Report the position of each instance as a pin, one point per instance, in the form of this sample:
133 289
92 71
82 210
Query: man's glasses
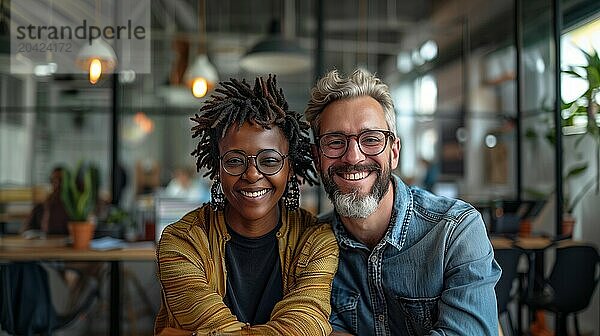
267 161
370 142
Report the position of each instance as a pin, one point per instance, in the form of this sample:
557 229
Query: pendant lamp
276 54
97 58
201 76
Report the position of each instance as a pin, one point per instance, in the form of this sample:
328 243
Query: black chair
25 302
508 259
570 286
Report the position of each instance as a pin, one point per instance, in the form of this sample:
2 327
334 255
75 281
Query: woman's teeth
254 193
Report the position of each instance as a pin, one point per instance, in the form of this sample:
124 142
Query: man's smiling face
356 182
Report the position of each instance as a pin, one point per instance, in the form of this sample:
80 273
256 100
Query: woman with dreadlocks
251 261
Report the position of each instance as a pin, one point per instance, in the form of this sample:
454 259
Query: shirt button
373 259
381 318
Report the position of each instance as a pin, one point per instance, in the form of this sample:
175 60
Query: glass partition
537 108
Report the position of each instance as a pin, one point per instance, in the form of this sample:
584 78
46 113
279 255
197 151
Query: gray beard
353 204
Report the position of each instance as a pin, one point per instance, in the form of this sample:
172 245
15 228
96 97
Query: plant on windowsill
79 194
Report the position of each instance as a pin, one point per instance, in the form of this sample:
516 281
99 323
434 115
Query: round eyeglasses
370 142
267 162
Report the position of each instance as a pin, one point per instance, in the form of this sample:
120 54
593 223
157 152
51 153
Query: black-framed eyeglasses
370 142
267 161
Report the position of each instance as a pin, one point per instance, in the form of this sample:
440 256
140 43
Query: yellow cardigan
192 273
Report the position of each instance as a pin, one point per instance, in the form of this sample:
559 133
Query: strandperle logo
55 39
83 32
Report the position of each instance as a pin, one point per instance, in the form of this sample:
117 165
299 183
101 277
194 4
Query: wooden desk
524 243
533 243
502 243
15 248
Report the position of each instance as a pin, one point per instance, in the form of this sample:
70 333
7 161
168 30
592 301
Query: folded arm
189 300
305 309
194 305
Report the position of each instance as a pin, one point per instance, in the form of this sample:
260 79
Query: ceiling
362 33
367 33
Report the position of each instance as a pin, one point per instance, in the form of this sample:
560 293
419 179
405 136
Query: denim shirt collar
399 221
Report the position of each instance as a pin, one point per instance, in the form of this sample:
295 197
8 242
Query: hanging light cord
202 26
361 46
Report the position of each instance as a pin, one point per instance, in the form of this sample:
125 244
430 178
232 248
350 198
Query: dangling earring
217 198
291 198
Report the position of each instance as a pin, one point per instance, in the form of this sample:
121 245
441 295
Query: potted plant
79 194
586 106
119 224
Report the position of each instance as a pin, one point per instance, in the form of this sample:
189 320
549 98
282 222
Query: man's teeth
254 193
355 176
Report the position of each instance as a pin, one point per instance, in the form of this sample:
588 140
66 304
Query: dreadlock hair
236 102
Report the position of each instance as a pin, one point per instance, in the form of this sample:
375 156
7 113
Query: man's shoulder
439 207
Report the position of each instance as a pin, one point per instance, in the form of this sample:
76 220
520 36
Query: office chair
570 285
26 307
508 259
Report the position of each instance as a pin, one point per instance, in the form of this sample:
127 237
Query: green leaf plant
587 105
79 191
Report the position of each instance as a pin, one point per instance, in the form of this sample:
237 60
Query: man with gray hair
411 263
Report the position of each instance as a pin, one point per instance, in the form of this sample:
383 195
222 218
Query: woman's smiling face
253 196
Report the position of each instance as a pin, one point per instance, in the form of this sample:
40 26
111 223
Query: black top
254 283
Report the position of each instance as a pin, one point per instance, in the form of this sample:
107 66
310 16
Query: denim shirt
433 273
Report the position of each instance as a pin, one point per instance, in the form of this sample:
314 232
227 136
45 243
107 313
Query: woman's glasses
370 142
267 162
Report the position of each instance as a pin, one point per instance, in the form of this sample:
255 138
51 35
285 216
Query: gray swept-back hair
334 87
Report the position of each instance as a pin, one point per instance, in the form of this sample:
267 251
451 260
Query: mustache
354 168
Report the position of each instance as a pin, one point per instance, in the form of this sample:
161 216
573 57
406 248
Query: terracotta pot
568 223
81 234
525 228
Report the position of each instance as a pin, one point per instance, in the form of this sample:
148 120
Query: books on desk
109 243
106 244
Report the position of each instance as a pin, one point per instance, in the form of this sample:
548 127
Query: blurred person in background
50 216
184 185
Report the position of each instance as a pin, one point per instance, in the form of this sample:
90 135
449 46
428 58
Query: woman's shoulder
195 220
312 228
315 241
